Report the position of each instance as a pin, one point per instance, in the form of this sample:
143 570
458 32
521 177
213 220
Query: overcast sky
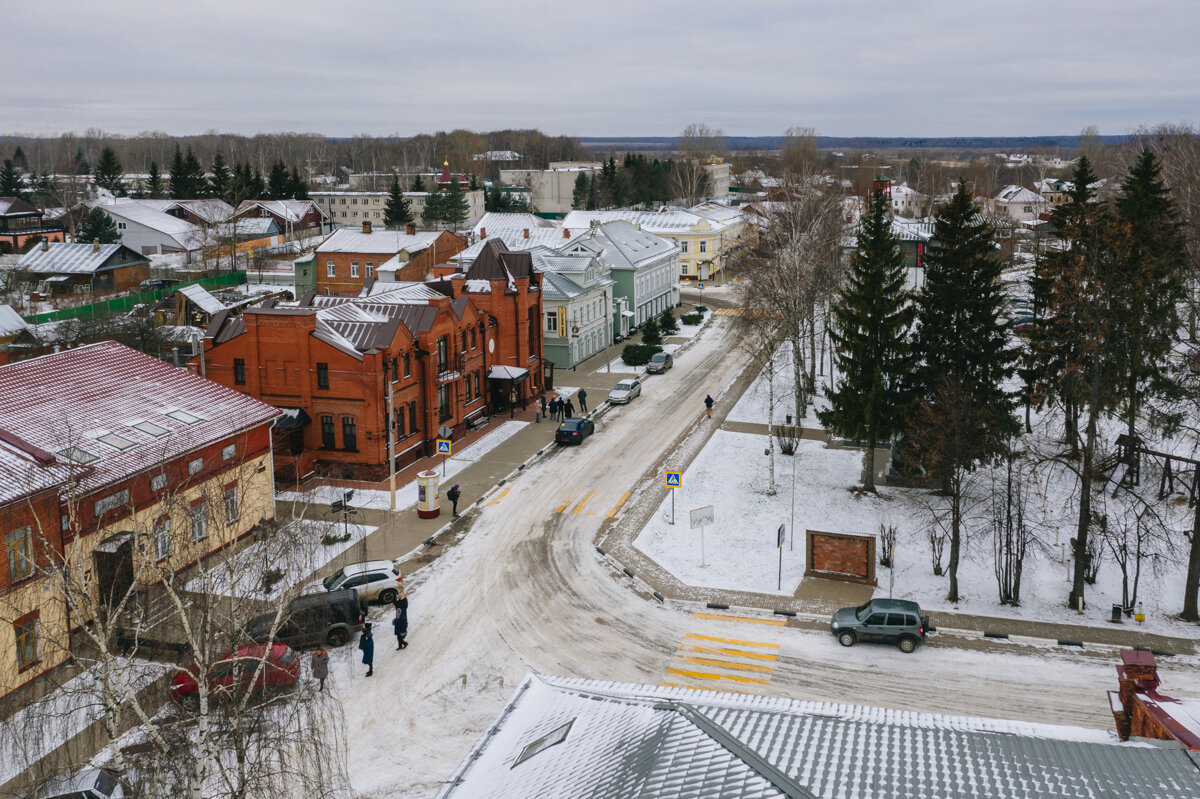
614 68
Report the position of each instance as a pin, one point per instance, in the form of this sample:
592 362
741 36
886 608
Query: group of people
559 409
366 640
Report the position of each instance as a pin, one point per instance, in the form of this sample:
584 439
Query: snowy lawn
753 405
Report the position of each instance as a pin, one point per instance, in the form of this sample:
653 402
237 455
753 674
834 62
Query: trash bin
428 496
1116 614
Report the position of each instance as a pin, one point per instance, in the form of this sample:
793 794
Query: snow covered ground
752 407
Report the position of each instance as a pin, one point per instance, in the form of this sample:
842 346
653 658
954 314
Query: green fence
120 305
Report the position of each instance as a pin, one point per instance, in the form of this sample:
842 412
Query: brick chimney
526 232
411 228
566 233
482 233
95 245
366 226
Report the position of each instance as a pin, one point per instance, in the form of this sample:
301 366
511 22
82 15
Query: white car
624 391
374 580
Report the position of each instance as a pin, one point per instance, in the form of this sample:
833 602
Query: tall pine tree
154 182
434 212
297 187
455 209
187 176
418 184
962 415
99 226
221 180
109 173
579 195
11 183
872 318
398 211
278 181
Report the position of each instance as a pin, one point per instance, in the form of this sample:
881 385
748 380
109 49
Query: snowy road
525 591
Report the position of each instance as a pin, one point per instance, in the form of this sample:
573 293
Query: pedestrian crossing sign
674 479
701 285
443 446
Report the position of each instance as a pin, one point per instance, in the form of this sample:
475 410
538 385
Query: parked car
884 621
375 580
235 671
86 783
660 362
331 618
624 391
573 431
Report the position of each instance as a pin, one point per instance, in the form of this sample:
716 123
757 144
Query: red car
282 670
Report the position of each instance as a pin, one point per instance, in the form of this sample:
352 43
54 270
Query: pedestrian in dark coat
544 406
453 494
582 401
320 666
570 409
708 403
400 623
366 642
558 409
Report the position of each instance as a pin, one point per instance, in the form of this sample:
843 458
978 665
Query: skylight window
78 455
117 442
152 429
185 417
545 742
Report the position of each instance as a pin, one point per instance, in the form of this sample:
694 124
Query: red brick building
448 352
20 222
1141 711
352 259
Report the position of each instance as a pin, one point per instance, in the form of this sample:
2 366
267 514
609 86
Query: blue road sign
674 479
782 535
701 285
443 446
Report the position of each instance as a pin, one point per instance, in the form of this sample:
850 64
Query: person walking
320 666
453 494
544 405
558 409
366 643
400 623
570 410
708 403
582 401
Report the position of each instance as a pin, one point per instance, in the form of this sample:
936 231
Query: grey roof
201 298
61 258
12 206
642 742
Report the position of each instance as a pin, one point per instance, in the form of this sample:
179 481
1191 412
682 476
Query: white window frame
158 482
162 540
195 466
233 510
229 452
198 521
354 269
330 268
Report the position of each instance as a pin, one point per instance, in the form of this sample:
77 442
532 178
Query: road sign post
673 480
701 517
779 546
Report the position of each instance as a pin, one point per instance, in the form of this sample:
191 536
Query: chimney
95 245
411 228
526 232
366 226
45 245
482 233
566 233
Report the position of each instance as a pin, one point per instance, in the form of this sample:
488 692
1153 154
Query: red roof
78 397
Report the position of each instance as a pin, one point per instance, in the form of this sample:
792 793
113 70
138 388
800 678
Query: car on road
624 391
375 580
660 362
237 669
882 621
573 431
331 618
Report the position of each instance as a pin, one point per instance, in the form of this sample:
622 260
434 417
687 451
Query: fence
120 305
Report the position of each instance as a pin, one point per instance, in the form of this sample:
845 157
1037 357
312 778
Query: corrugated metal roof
645 742
377 242
202 299
62 258
11 321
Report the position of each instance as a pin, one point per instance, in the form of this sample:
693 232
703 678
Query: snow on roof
514 239
495 221
664 223
11 321
201 298
289 210
69 258
1018 194
579 737
377 242
188 235
13 206
75 397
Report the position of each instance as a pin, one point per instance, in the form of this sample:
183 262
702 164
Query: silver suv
375 580
884 621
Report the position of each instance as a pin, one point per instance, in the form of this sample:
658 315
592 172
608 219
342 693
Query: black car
574 431
332 618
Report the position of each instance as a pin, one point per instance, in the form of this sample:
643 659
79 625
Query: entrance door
113 561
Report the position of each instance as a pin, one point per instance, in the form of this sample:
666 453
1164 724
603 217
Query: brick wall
841 556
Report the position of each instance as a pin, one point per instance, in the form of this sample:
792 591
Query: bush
638 354
691 319
329 539
271 578
667 322
650 332
701 309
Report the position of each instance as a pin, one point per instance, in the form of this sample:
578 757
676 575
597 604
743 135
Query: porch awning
628 313
59 279
513 373
292 419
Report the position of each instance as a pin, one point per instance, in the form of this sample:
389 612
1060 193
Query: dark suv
332 618
884 621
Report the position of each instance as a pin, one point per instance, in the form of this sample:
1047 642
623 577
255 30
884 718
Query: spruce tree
108 173
20 160
962 416
221 181
154 182
872 318
593 196
297 187
667 321
473 182
11 183
398 211
456 209
278 181
99 226
418 184
197 184
187 176
579 196
651 334
434 213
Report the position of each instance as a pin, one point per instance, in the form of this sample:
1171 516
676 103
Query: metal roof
643 742
60 258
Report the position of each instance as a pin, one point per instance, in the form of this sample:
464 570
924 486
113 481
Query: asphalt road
525 591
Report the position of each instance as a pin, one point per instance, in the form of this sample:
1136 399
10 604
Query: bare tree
1012 533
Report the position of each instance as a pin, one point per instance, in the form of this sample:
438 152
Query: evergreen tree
176 176
19 159
473 182
579 196
490 196
278 181
197 183
398 211
593 195
154 183
99 226
221 181
435 209
650 332
11 182
456 209
963 416
872 318
109 172
418 184
297 187
187 176
667 322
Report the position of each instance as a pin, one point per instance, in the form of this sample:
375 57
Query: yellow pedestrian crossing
711 662
575 511
728 312
620 502
500 496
